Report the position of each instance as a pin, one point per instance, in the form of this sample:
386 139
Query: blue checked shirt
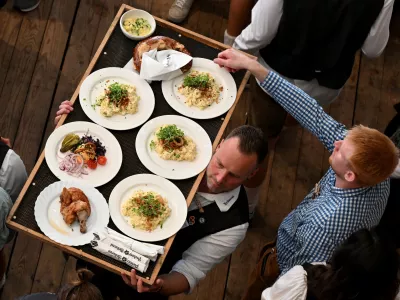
312 231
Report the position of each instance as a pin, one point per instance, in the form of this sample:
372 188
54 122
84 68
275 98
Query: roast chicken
75 205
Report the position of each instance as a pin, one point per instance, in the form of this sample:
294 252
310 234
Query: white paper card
163 65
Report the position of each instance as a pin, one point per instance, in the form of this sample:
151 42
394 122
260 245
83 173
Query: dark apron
201 225
3 152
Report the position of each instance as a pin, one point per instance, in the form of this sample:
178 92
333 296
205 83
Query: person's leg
239 18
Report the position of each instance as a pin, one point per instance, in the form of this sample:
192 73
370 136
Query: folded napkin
163 65
149 250
120 252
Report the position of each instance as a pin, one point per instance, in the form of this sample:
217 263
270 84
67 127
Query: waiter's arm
207 252
196 261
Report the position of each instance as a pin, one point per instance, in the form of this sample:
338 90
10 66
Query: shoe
26 5
179 10
228 39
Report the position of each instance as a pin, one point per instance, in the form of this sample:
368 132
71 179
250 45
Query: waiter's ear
253 173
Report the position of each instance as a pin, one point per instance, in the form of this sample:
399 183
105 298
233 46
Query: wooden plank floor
43 55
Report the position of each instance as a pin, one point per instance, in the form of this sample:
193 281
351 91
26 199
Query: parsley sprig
169 133
198 81
116 92
149 206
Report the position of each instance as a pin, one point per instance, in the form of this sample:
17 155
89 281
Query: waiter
207 237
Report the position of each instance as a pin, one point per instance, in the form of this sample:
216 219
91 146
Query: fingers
66 105
130 279
56 120
67 102
223 64
133 277
125 278
224 53
219 61
63 110
141 288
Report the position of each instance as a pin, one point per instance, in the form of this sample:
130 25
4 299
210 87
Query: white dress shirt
290 286
265 19
12 174
209 251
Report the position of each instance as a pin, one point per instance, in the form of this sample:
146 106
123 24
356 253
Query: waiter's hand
233 60
6 141
64 108
139 285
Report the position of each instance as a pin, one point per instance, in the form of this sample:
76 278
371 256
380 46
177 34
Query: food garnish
117 93
137 26
146 210
196 81
69 142
171 136
85 153
101 160
149 206
200 89
171 143
118 99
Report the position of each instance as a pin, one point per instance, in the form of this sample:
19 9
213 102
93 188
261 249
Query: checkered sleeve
304 109
314 245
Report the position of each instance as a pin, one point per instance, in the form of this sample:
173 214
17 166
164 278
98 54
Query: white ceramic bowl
133 14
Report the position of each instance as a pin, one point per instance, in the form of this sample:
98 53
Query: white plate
168 168
222 77
94 86
147 182
102 174
50 220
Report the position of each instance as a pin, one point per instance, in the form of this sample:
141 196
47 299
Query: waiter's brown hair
252 141
80 289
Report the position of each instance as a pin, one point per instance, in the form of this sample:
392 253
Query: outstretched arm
301 106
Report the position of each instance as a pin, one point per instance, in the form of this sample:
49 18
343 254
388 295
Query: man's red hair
375 156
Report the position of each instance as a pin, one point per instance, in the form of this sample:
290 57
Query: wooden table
115 51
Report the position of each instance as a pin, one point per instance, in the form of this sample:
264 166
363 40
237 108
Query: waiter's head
236 159
365 157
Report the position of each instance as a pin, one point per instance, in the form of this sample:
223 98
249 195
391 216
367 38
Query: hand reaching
139 285
64 108
233 60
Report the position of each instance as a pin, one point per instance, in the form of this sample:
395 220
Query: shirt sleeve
13 174
291 286
204 254
265 19
378 36
314 244
304 109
